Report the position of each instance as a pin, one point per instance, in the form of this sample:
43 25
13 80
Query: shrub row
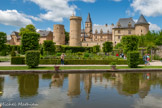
56 61
17 60
64 48
32 58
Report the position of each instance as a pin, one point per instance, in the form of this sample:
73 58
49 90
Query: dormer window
119 25
101 31
96 31
129 24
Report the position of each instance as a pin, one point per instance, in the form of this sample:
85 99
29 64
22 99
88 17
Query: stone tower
142 26
75 31
59 34
88 26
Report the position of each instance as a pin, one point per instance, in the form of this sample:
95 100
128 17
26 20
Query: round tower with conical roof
142 26
75 31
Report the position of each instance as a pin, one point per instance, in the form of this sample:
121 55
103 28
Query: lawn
75 67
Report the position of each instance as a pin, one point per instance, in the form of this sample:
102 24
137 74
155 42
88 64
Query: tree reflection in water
1 85
28 85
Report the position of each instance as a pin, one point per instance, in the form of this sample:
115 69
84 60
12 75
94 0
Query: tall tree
3 40
28 28
66 37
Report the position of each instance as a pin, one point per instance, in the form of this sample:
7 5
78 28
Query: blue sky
15 14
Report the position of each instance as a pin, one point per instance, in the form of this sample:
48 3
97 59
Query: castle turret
59 34
88 26
142 26
75 31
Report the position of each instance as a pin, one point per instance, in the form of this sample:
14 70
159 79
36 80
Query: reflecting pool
106 90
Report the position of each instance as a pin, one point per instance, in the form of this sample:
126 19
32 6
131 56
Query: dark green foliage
86 54
107 47
159 40
58 54
17 60
96 49
119 46
66 37
29 41
32 58
133 59
49 47
130 43
58 48
76 49
13 53
3 40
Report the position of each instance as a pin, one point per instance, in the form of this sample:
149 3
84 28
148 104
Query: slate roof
142 20
89 18
105 28
124 22
43 33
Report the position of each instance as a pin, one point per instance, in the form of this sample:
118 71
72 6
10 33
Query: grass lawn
74 67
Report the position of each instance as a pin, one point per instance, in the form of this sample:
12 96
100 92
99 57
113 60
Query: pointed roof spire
88 18
142 20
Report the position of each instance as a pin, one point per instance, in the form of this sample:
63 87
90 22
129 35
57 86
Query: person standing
148 59
62 58
145 59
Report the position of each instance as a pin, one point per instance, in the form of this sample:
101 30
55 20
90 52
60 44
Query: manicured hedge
133 59
17 60
76 49
81 62
32 58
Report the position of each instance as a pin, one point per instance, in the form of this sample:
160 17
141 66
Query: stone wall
159 52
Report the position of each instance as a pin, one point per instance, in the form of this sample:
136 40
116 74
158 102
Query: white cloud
154 27
148 7
91 1
56 10
14 18
49 29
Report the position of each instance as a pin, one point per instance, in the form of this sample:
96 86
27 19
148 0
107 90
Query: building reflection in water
57 80
87 78
1 85
74 85
28 85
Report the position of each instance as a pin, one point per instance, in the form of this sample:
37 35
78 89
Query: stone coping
77 71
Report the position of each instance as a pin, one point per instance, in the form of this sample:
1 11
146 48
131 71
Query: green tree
107 47
66 37
28 28
29 41
3 40
119 46
130 43
49 47
96 48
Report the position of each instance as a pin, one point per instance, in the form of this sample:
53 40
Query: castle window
118 31
118 37
141 31
129 31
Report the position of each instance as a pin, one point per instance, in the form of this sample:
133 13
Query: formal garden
30 52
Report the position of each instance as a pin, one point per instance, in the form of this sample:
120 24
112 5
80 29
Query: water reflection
28 85
81 90
1 85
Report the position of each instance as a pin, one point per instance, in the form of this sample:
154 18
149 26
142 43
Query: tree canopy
28 28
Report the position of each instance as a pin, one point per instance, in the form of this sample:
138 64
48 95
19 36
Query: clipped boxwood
32 58
133 59
17 60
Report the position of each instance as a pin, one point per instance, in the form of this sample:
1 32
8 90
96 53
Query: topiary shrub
13 52
107 47
29 41
133 59
17 60
32 58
